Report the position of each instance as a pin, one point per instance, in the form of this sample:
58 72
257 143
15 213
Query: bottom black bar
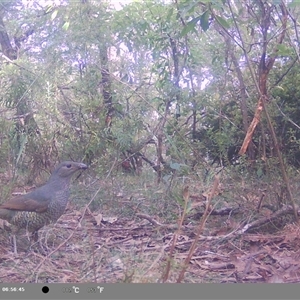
111 291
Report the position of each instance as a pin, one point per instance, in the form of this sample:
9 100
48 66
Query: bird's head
66 169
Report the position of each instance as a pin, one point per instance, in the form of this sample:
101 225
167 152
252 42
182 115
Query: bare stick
200 229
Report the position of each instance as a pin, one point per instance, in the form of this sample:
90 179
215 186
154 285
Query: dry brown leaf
110 220
98 218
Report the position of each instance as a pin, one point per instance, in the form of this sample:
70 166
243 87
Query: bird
42 206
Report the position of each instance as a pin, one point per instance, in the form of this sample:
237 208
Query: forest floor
123 232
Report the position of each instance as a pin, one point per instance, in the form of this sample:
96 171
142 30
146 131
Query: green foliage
222 22
161 57
287 116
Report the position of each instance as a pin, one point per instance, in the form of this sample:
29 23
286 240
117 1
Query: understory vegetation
187 114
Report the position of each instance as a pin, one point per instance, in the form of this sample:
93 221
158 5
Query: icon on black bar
45 289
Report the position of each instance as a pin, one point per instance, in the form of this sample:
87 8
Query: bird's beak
82 166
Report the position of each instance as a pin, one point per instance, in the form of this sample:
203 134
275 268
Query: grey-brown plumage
45 204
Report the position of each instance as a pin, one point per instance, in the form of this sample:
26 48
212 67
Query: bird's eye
69 166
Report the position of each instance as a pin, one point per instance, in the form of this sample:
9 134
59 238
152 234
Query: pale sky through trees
117 3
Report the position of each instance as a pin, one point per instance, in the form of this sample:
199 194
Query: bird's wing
26 204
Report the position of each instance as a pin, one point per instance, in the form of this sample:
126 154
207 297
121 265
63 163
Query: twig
152 221
159 256
260 202
200 229
186 196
